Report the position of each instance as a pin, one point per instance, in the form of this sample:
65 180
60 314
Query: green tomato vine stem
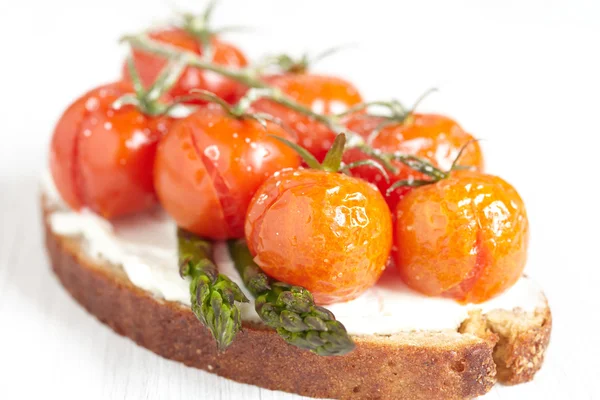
147 100
143 42
259 89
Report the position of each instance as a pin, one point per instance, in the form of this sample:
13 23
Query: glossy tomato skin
149 66
210 164
433 137
102 158
327 232
464 237
323 94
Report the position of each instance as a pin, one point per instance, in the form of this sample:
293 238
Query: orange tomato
102 158
210 164
325 231
149 65
435 138
463 237
323 94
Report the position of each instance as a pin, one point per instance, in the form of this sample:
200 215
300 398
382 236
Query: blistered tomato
325 231
435 138
463 237
102 158
323 94
210 164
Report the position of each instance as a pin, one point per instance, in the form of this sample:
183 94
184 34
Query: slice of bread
503 345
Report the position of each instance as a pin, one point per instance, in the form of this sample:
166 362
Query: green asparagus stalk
290 310
213 295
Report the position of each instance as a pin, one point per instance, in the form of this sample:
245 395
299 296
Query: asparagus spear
289 309
213 295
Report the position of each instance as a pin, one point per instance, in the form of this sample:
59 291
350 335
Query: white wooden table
523 76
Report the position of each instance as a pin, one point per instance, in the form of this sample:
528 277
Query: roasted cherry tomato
463 237
435 138
325 231
149 65
323 94
210 164
102 158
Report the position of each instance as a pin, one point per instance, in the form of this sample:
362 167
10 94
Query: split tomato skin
327 232
464 237
323 94
210 164
149 65
433 137
102 158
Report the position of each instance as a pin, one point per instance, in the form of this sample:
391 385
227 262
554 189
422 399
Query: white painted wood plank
517 74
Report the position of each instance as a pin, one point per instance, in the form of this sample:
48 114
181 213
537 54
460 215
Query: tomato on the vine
224 54
463 237
325 231
432 137
210 164
322 94
320 229
102 158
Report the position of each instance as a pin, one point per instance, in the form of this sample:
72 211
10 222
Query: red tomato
325 231
435 138
102 158
463 237
149 65
210 164
323 94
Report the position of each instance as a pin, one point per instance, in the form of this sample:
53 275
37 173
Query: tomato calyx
148 100
199 27
240 110
333 159
285 63
395 113
425 167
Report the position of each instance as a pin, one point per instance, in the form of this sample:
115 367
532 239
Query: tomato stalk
148 100
259 89
238 111
333 158
198 26
249 77
396 109
330 121
420 99
396 113
426 168
143 42
285 63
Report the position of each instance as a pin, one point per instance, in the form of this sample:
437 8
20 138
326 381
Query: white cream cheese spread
145 246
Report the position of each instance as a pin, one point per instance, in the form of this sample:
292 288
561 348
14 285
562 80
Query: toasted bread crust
435 365
519 353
